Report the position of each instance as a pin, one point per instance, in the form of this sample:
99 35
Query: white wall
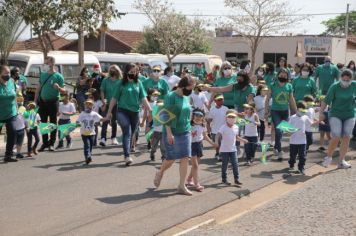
338 52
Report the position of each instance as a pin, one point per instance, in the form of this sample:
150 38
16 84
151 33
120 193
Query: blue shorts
197 149
181 147
341 128
325 127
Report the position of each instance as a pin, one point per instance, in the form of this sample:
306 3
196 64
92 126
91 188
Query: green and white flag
287 127
66 129
46 128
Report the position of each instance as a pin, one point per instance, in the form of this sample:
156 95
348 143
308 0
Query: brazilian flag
66 129
46 128
287 127
162 115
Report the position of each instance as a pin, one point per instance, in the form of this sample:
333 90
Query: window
236 57
315 60
20 64
273 57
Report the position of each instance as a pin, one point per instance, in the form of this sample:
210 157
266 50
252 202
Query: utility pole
346 29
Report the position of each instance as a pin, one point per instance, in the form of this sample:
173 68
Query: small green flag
46 128
264 149
242 122
149 134
66 129
161 115
30 116
287 127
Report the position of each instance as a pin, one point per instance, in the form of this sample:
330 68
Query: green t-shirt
228 96
280 96
240 96
200 73
23 79
327 76
48 92
303 86
8 100
108 87
161 85
181 107
342 101
269 79
129 96
141 78
278 69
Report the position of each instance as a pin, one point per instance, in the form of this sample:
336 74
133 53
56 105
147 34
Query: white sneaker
276 152
128 161
114 141
102 142
327 161
344 165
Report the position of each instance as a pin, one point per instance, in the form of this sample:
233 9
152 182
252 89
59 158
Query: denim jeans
261 130
10 136
88 145
226 157
156 139
250 147
354 131
68 138
300 151
309 136
128 122
32 133
277 117
80 97
341 128
49 110
113 124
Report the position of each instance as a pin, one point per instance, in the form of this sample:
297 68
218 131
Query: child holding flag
33 119
66 110
309 99
20 126
156 137
87 120
251 133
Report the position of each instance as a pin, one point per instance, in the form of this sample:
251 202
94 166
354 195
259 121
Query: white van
31 62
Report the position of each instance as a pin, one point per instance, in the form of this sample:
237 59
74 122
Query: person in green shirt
304 84
47 96
270 75
226 78
20 80
107 90
281 93
8 110
341 98
326 75
127 97
352 66
282 64
155 81
200 72
176 133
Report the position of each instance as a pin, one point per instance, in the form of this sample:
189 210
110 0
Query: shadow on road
78 165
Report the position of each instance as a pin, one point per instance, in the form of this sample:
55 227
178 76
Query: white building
296 49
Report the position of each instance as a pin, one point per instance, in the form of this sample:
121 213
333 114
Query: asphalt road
55 194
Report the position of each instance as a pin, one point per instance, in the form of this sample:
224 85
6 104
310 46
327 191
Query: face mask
131 76
227 73
5 77
154 99
260 73
327 63
305 74
230 121
112 73
345 83
45 68
187 92
88 110
155 74
283 80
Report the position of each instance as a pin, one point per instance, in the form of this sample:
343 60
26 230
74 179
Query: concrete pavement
55 194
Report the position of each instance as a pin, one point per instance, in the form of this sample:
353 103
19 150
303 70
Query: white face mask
227 72
156 74
260 73
230 121
45 68
345 83
305 74
154 98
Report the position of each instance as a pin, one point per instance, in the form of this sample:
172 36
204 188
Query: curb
237 208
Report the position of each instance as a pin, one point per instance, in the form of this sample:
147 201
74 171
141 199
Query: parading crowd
228 107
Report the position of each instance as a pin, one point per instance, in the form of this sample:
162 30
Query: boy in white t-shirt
198 99
311 114
87 120
228 152
66 110
217 118
20 126
298 141
33 120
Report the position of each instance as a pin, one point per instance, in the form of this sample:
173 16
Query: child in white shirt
198 99
20 125
199 133
228 152
66 110
251 134
260 101
33 120
97 106
217 118
298 141
87 120
311 114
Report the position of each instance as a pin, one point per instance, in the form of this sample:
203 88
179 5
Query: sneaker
114 141
344 165
248 163
302 171
51 148
226 182
102 142
9 159
291 167
88 160
69 145
217 157
42 148
19 156
327 161
280 156
237 182
153 158
128 161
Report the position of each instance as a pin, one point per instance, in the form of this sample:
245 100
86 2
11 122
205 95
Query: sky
137 22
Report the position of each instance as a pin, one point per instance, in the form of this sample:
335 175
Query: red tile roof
130 38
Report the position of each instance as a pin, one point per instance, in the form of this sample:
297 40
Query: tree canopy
336 25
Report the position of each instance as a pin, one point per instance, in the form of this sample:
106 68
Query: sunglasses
156 71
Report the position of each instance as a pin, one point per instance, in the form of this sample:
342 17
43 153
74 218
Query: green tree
86 16
44 16
11 27
336 26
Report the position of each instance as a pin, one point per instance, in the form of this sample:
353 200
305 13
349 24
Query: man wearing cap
326 75
155 81
200 72
47 96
